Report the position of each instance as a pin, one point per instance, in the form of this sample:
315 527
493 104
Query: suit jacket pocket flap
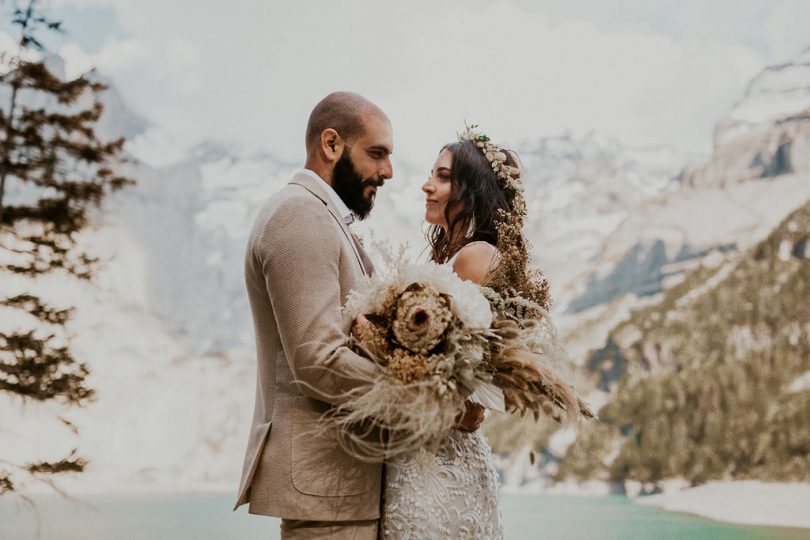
321 467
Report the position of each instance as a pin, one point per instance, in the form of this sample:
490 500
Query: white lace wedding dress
452 494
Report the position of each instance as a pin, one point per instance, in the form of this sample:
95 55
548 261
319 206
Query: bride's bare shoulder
475 260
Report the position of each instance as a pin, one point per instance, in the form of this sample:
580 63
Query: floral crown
508 176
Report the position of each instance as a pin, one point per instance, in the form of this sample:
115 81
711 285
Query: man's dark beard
349 186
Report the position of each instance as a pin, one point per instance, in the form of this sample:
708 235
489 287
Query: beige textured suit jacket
300 264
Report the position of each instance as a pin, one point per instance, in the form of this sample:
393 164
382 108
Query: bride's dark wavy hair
475 189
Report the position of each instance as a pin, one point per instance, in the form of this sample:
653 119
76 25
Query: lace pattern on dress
451 494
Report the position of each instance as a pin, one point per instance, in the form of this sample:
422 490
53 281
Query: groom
301 262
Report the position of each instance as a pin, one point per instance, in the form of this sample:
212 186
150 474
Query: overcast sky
247 73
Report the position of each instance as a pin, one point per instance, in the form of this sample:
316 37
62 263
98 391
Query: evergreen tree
53 170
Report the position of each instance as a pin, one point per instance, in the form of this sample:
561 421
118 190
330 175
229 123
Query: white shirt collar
344 211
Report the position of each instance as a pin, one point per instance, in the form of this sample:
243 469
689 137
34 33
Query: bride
453 493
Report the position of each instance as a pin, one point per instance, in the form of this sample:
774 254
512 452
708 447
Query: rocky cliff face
767 133
758 173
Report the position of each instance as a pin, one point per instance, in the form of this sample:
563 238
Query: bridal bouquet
441 342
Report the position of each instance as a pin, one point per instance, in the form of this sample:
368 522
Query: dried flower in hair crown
508 176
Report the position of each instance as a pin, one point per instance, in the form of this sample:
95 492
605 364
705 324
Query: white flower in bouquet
467 303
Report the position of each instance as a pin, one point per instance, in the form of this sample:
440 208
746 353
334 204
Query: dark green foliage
707 393
68 464
6 484
511 433
585 458
50 153
31 368
32 305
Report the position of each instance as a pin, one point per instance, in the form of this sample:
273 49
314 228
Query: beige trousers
296 529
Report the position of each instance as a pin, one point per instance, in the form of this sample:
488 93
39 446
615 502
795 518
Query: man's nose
388 170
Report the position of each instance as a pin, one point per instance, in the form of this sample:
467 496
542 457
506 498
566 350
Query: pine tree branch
35 307
32 369
72 463
42 471
6 485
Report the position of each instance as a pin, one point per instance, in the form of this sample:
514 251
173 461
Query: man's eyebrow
381 148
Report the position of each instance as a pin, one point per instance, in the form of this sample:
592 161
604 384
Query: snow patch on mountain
778 92
162 416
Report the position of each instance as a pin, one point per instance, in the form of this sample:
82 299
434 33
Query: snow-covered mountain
766 133
757 174
579 192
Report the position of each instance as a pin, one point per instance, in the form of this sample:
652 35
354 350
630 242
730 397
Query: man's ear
332 145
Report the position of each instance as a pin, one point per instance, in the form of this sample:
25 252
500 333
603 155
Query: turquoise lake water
208 516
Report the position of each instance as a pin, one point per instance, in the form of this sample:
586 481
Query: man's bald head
345 112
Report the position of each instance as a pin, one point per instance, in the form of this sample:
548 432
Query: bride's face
437 189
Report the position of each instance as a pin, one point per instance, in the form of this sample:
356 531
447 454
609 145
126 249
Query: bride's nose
427 187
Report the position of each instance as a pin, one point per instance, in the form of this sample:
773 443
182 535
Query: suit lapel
312 185
367 264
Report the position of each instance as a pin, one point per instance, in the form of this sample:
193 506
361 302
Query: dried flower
422 316
408 367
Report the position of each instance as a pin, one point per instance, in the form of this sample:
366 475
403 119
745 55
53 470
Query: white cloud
76 60
249 72
787 28
155 148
